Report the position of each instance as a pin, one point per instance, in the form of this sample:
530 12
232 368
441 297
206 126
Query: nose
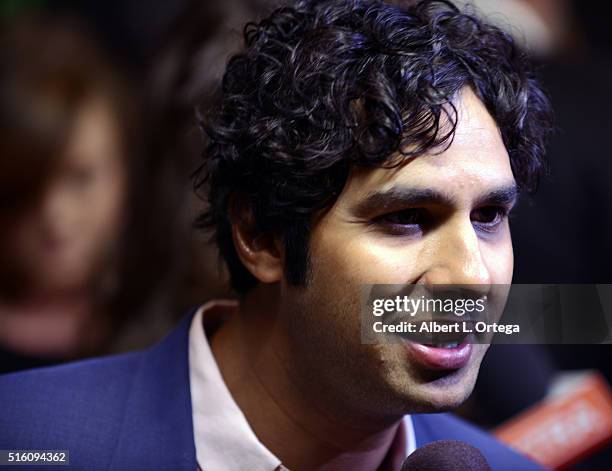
456 257
54 208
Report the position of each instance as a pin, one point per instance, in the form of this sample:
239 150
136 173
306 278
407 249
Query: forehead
476 161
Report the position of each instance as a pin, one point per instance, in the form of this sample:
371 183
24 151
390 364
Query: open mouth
439 358
438 345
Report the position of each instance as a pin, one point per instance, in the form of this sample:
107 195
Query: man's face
437 219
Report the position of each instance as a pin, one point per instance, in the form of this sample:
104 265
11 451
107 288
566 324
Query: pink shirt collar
223 438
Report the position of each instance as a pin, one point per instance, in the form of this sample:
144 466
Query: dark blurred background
98 141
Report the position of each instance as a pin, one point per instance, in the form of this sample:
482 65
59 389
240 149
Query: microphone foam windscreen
446 455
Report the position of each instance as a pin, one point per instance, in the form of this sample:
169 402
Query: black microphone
446 455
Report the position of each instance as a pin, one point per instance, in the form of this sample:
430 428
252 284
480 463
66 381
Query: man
355 143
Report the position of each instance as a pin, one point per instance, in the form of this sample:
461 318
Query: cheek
499 259
105 204
108 211
359 259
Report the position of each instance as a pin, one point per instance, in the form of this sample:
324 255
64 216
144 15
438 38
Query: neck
296 426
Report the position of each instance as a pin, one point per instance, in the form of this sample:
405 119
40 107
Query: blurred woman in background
66 137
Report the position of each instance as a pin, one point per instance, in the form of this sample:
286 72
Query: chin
431 392
445 392
433 400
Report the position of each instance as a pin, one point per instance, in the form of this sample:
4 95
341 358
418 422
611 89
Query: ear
260 253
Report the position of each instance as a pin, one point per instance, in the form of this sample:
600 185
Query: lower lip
434 358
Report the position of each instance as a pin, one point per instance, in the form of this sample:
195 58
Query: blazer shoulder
432 427
77 405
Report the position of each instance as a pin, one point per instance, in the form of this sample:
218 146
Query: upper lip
434 337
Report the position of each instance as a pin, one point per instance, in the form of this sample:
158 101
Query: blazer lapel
423 431
157 431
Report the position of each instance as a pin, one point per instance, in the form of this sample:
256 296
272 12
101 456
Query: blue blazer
132 412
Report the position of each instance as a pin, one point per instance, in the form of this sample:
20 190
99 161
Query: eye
80 177
405 222
488 218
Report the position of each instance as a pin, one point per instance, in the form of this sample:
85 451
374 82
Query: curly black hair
325 85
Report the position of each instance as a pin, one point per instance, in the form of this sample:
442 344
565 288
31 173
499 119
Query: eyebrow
397 197
505 196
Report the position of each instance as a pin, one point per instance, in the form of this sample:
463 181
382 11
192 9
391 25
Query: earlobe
258 252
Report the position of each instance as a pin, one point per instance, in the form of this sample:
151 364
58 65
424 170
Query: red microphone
565 427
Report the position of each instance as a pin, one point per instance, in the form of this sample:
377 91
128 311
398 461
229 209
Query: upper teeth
447 345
